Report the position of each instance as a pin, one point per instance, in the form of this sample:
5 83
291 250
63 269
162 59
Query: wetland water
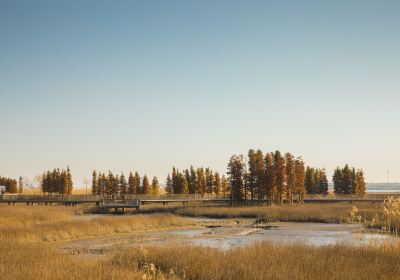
226 234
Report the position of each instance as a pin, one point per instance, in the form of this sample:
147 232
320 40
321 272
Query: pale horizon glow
138 85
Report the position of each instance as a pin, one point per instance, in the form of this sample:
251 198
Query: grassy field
28 236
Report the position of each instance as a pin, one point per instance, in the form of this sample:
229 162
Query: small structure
3 189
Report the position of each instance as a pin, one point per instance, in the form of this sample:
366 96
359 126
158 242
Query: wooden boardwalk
120 204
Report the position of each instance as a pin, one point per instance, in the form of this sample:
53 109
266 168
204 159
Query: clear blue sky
145 85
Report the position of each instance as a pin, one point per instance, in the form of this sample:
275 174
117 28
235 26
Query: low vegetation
264 261
57 223
325 213
28 236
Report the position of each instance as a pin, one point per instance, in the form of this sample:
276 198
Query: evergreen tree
131 184
146 188
155 189
310 180
104 184
209 181
123 185
271 188
290 177
217 183
201 181
20 185
361 182
69 181
185 185
236 172
192 180
137 183
252 173
338 181
300 175
280 174
323 182
224 185
95 183
168 185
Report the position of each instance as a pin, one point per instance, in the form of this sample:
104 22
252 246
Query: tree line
270 177
56 181
275 177
110 184
196 181
348 180
10 184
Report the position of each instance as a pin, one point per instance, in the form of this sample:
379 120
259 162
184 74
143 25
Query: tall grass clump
389 218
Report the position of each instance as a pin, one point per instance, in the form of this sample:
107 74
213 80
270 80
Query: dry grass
27 251
325 213
57 223
266 261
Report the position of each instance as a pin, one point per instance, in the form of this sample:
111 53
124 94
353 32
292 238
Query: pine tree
95 183
323 182
192 180
104 184
236 172
185 185
64 183
209 181
271 189
146 188
338 181
280 174
201 181
224 185
69 181
361 182
310 180
252 173
155 189
123 185
131 184
300 175
20 185
290 177
168 185
217 183
137 183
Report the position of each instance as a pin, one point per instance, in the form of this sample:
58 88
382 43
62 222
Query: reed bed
325 213
27 252
58 223
265 261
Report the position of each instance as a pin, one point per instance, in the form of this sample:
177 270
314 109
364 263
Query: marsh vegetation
31 239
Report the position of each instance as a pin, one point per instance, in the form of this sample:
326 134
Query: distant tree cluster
110 184
348 180
272 176
57 181
196 181
316 181
9 183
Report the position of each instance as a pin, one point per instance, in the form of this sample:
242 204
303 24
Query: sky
147 85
